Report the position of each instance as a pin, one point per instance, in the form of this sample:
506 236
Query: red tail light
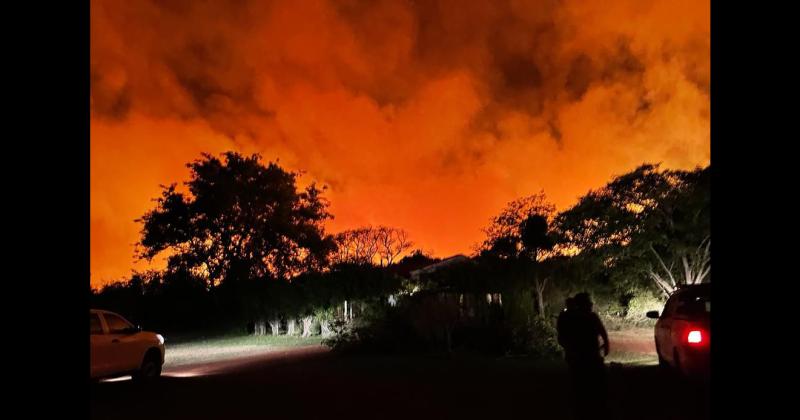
696 337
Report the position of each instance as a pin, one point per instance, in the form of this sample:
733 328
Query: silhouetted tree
678 235
504 234
357 246
535 237
239 220
370 245
646 224
392 242
517 240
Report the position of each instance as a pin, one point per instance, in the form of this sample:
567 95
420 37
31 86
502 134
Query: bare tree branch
668 270
663 285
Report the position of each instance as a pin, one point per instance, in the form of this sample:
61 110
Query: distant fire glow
428 115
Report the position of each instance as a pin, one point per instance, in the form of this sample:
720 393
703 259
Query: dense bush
381 329
542 340
619 229
641 303
431 322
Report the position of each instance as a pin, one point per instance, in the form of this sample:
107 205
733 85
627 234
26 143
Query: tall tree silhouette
240 220
365 245
536 239
647 224
504 233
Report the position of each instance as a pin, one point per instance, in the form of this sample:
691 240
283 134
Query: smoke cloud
426 115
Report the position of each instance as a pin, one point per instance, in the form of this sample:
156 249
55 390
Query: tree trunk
260 327
345 311
325 328
275 324
290 327
540 304
307 322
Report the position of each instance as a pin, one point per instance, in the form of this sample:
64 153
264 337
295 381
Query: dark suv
683 331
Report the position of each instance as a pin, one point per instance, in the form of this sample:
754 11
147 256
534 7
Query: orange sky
426 115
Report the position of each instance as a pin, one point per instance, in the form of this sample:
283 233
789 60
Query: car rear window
693 304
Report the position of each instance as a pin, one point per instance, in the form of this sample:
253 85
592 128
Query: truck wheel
150 368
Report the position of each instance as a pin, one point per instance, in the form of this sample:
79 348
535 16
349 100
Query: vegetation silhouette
247 251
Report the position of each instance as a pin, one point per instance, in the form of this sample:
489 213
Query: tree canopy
516 222
643 223
240 219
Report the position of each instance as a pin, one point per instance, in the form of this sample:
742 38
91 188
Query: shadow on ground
322 385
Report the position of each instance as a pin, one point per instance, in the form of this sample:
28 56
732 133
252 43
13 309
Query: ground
187 351
632 346
309 382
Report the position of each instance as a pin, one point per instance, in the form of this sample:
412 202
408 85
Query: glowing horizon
429 117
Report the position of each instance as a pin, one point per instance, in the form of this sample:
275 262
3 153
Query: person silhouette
579 329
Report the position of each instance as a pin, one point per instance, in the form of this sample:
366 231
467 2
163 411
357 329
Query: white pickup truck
119 348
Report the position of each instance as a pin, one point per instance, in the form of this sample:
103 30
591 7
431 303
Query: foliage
244 245
537 338
640 225
642 303
239 220
504 234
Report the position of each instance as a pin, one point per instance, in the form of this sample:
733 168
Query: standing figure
579 334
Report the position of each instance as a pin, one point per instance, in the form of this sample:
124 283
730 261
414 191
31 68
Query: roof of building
449 261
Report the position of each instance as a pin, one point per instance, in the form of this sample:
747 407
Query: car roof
695 289
695 286
101 311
